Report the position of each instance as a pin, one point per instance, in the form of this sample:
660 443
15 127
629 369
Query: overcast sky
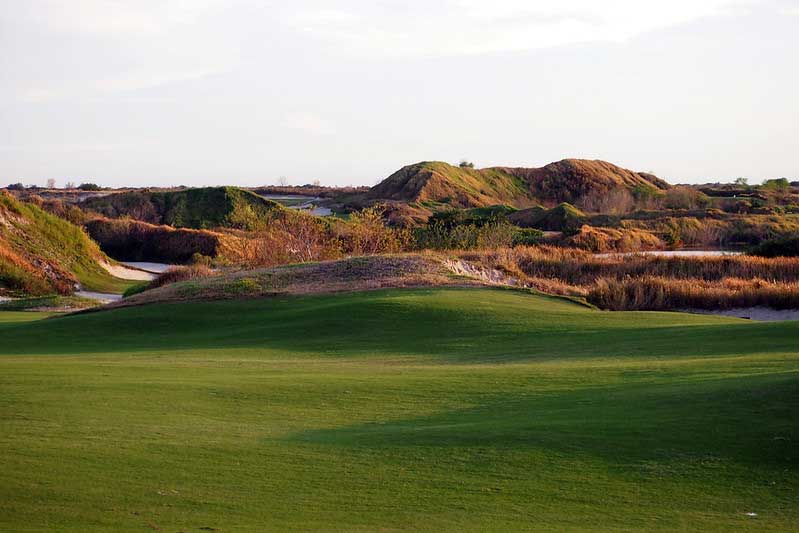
147 92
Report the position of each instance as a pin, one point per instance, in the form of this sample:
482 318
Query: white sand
155 268
123 272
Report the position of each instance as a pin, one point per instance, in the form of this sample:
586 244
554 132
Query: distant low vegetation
202 208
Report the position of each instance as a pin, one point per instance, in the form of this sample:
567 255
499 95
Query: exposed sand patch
123 272
147 266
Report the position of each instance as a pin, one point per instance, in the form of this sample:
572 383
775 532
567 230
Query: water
674 253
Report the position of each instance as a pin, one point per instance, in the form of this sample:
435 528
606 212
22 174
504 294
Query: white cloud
150 43
456 27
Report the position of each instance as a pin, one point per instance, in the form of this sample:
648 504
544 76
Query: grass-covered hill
41 253
418 409
438 182
574 180
570 180
201 208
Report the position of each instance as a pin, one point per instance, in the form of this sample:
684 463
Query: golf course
433 409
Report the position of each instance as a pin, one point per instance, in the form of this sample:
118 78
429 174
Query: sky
204 92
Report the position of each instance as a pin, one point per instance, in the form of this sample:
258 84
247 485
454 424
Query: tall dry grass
183 273
581 268
661 294
651 282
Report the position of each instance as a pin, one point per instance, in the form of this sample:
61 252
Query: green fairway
424 409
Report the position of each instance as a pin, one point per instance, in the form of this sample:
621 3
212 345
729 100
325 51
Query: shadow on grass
750 421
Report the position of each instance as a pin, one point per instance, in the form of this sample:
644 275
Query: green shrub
779 247
135 289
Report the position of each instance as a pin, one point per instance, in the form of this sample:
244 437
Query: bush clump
182 273
779 247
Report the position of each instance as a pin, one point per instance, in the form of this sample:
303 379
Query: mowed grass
434 409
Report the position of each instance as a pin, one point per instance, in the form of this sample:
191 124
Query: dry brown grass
661 294
614 240
578 267
183 273
651 282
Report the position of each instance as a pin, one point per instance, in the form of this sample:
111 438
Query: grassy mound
202 208
437 182
44 254
453 409
576 181
563 217
346 275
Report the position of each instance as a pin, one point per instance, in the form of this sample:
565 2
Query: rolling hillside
42 254
201 208
397 410
570 180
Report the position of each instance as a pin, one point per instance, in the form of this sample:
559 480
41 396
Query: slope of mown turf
426 409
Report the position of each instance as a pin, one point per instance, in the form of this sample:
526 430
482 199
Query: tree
69 185
466 164
16 187
283 181
743 182
777 189
89 187
51 183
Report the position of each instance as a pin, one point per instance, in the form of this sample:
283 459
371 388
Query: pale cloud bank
205 91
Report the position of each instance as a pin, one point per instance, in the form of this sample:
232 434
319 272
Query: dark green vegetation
438 409
201 208
42 254
787 246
